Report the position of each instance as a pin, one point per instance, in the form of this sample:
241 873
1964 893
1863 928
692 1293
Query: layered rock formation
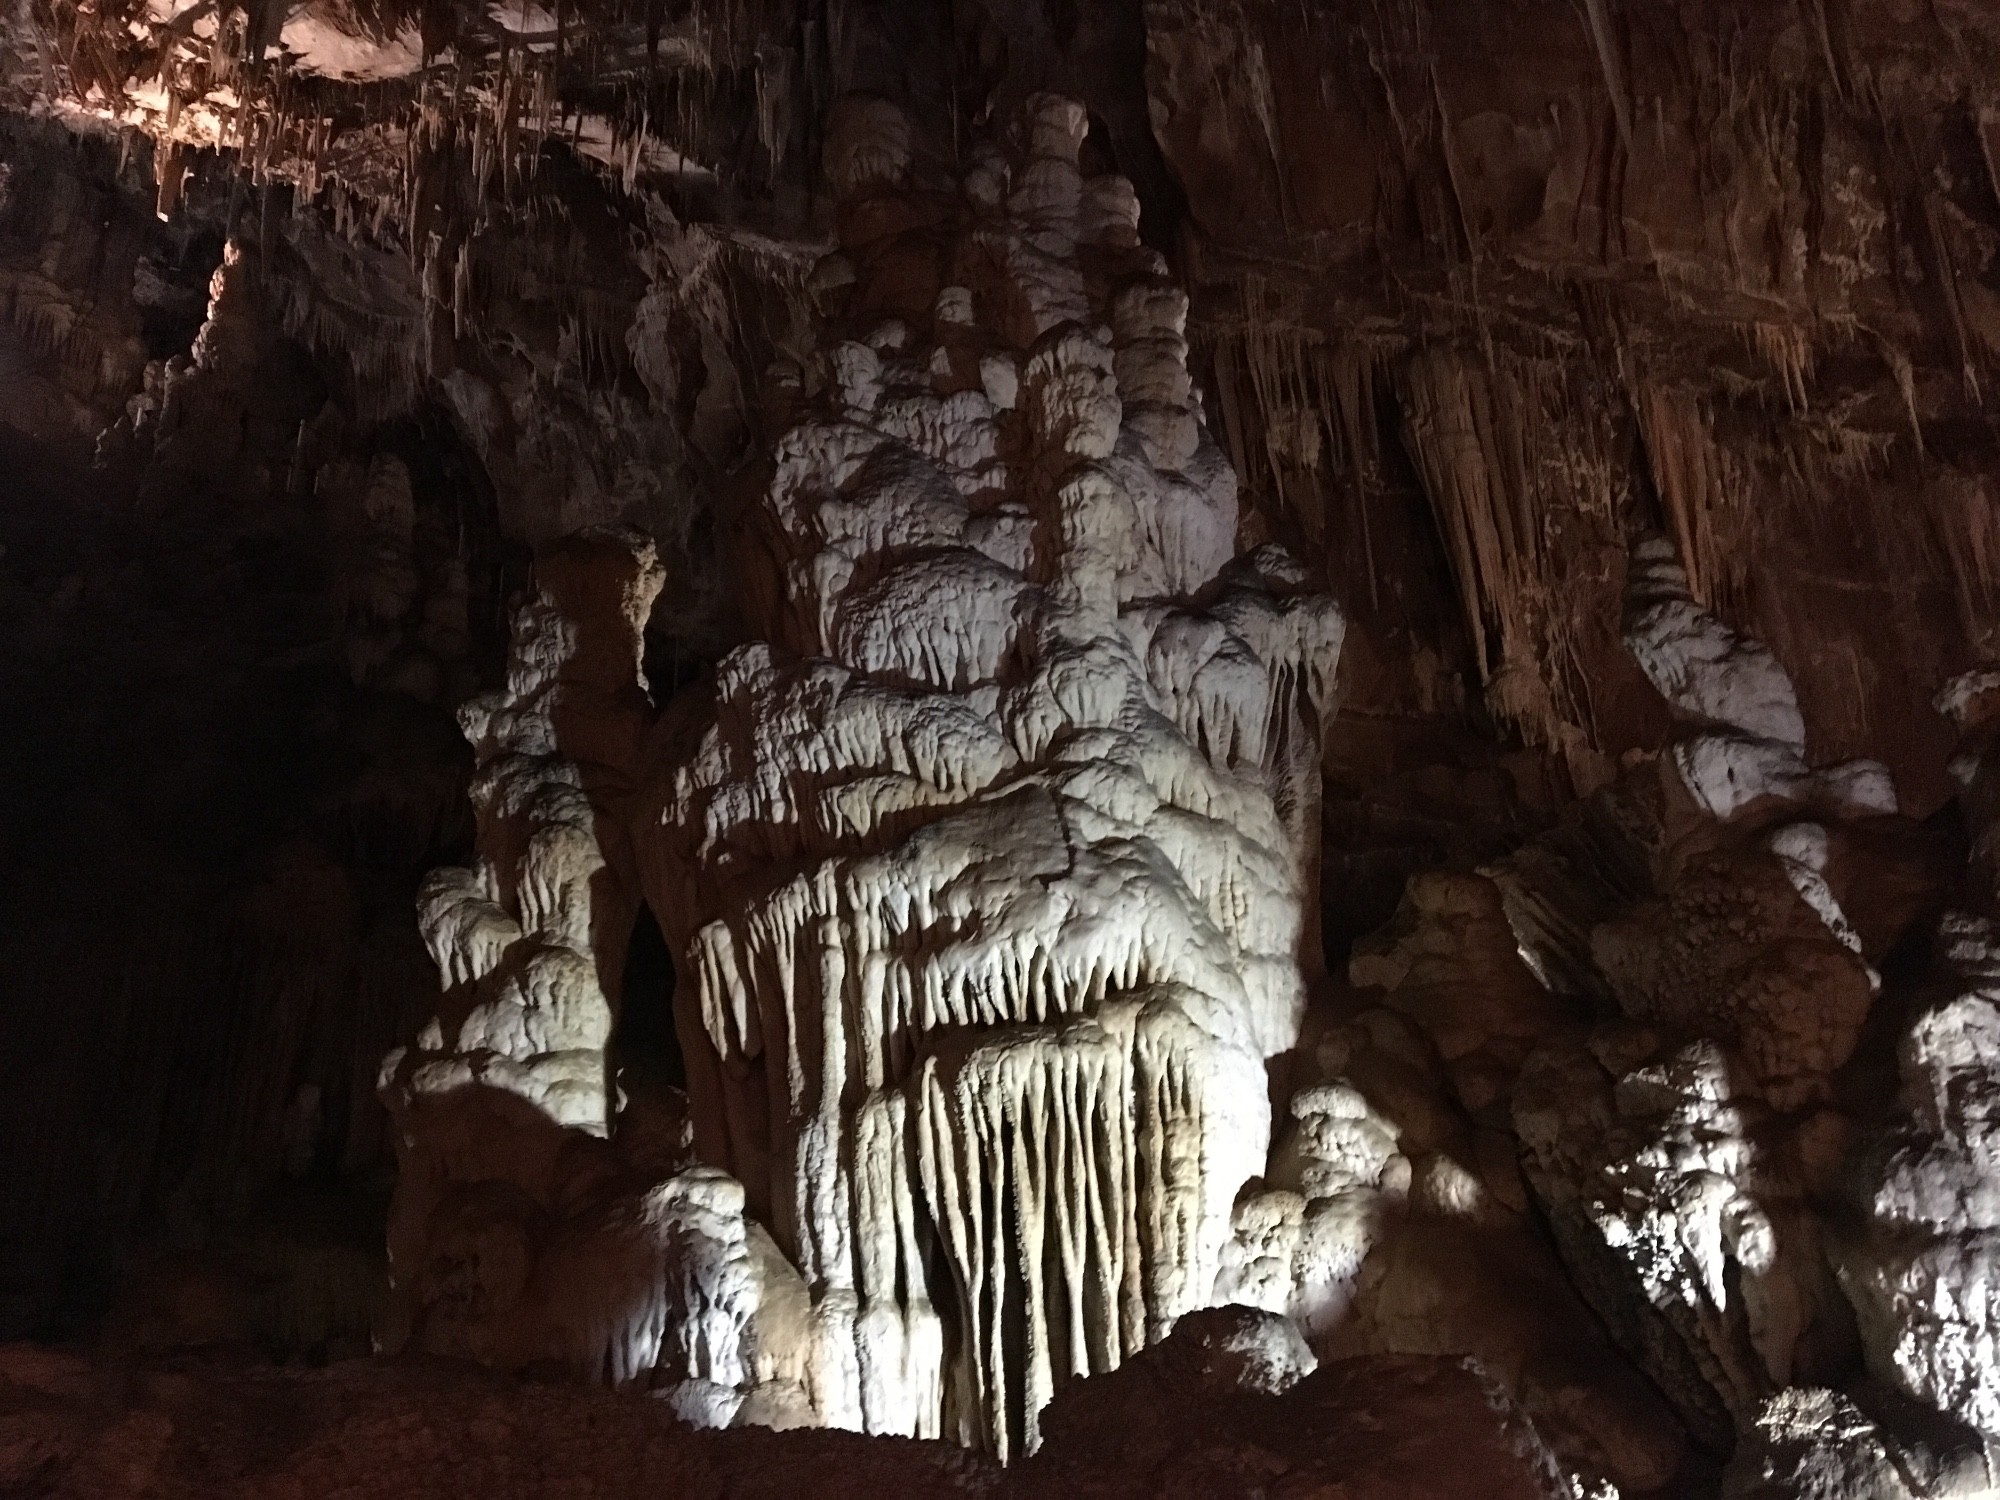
989 905
986 874
930 950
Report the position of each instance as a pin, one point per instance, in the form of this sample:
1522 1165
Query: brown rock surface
1374 1429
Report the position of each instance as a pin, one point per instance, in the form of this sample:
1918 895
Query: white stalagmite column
985 868
516 939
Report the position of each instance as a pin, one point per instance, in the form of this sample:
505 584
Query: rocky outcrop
1703 1256
521 1233
1449 960
1232 1394
1455 1261
1677 1149
1816 1444
1920 1269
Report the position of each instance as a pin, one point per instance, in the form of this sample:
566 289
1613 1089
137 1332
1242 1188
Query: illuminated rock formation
1922 1274
521 1233
1678 1149
1810 1443
1625 372
986 869
1744 739
516 936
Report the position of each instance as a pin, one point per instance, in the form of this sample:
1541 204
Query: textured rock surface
1810 1443
1676 1149
931 949
1573 272
515 940
522 1234
1919 1274
1370 1430
987 871
1169 1423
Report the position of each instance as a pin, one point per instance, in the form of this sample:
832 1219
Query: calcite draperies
987 869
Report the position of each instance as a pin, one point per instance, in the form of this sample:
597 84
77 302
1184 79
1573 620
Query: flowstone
1922 1272
986 867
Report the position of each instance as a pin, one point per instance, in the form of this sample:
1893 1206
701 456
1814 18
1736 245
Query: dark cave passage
645 1042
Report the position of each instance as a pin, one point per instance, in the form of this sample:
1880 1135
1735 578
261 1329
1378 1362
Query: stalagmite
514 937
520 1233
887 976
1923 1271
986 872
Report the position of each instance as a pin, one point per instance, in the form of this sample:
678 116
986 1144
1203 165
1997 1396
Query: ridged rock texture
985 874
988 868
1013 717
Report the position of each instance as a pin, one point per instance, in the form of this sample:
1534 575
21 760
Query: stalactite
1700 488
1476 442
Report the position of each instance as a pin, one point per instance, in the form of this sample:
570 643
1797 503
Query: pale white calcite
1743 739
514 937
522 1231
1923 1278
985 868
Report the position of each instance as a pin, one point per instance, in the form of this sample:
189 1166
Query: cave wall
1620 372
225 785
1486 287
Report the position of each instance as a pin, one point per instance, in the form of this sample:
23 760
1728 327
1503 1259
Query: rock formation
1919 1270
1812 1442
1676 1145
987 870
985 873
1015 718
521 1233
1206 1417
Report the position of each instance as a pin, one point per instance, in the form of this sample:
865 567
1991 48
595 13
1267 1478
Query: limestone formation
1338 1175
1677 1148
1921 1272
986 869
1745 739
1451 962
1416 1235
515 939
1697 1248
885 972
1810 1443
522 1235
